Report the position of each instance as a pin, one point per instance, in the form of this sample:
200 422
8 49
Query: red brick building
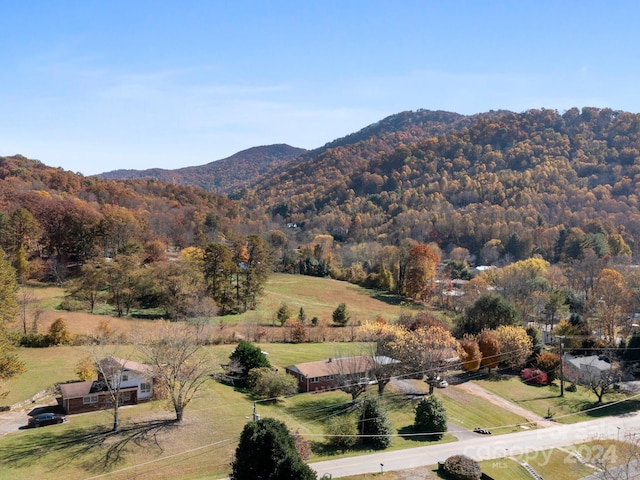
331 373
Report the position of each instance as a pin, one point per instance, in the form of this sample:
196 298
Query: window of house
145 387
126 396
125 377
315 379
89 399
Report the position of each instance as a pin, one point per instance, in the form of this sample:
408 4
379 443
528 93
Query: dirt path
478 391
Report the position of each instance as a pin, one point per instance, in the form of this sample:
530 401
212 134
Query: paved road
529 443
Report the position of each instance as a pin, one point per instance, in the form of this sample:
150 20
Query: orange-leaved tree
490 348
469 353
421 272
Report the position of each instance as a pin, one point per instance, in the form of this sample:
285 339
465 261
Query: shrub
297 330
342 432
461 467
534 376
267 383
549 363
35 340
302 445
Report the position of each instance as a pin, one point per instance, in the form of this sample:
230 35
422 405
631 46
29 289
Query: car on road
46 419
482 431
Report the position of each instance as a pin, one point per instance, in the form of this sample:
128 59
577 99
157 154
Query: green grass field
150 446
319 297
203 445
567 409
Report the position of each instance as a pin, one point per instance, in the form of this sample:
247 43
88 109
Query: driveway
15 420
11 421
477 390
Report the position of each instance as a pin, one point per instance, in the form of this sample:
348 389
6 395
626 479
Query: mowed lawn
571 408
150 446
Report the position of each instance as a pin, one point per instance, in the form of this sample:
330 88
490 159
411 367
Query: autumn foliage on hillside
500 183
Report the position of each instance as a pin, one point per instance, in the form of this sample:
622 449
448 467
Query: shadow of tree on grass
409 433
109 447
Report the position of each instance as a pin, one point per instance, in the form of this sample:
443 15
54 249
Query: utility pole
561 337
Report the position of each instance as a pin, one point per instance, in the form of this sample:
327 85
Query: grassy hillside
318 296
150 446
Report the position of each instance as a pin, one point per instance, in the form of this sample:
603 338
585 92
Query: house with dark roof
332 373
134 385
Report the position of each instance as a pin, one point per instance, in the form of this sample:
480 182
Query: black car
46 419
483 431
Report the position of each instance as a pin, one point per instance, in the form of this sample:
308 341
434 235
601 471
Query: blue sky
92 86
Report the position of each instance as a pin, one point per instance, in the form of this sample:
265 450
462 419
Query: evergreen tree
8 290
302 316
283 314
267 451
341 316
10 363
431 417
632 351
374 425
248 356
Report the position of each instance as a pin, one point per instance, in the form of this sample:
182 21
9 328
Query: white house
135 385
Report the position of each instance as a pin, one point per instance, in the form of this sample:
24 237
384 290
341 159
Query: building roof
82 389
592 362
76 389
126 365
337 366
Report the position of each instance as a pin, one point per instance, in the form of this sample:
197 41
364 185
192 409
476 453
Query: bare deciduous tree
351 373
110 370
619 460
180 365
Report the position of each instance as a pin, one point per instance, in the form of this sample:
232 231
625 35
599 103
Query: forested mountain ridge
221 176
66 212
253 165
497 184
534 174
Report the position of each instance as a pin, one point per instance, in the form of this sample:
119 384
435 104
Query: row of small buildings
137 383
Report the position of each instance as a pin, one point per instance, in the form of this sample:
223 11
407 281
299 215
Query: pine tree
431 417
374 425
341 316
267 451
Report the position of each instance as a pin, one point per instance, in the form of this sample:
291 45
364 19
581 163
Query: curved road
529 443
